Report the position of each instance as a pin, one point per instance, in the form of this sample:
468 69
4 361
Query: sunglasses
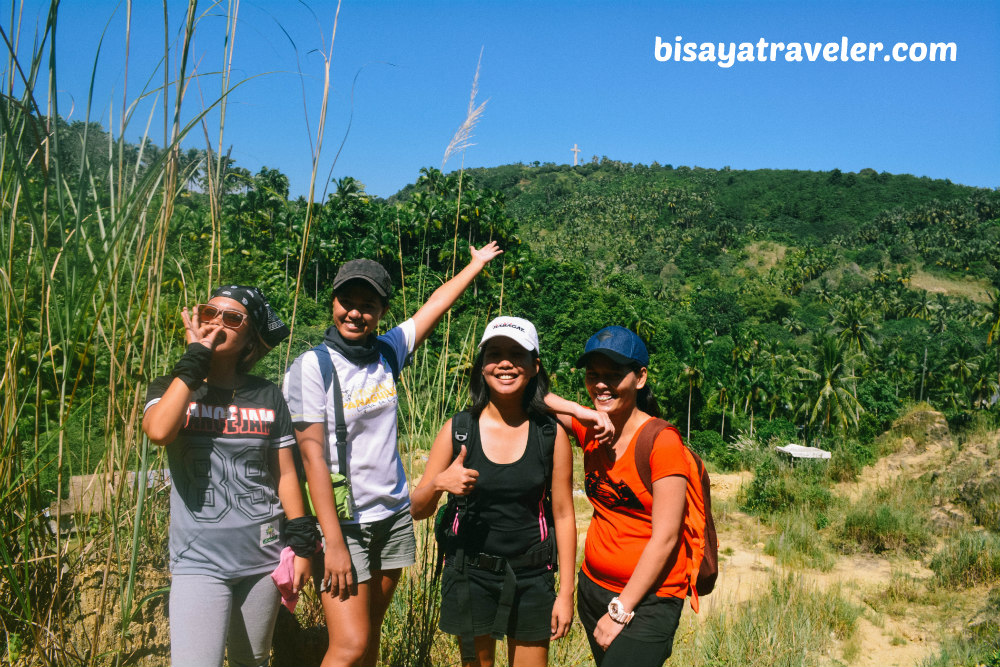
232 319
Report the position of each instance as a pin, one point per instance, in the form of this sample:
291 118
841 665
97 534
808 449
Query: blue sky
558 74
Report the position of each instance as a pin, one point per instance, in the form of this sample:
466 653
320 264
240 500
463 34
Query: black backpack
456 512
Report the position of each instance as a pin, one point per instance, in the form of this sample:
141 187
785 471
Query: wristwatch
617 612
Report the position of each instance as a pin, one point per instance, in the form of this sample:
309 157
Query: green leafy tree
829 401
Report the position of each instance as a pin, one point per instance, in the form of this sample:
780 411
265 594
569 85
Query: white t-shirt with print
378 483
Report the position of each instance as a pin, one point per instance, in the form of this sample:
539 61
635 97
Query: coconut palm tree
694 376
829 400
853 320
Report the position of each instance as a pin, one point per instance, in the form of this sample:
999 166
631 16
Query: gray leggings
208 613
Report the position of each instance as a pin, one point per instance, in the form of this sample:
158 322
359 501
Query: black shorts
530 615
645 642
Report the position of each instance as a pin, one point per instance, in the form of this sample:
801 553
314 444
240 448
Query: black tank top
509 509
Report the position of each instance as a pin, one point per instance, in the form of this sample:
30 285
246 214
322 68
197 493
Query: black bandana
359 353
265 321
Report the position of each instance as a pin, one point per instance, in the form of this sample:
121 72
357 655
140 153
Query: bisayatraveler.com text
727 54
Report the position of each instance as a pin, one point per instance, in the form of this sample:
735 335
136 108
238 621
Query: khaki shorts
386 544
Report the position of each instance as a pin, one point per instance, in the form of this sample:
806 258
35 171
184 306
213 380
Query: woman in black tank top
508 470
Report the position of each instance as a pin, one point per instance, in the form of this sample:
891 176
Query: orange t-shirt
622 521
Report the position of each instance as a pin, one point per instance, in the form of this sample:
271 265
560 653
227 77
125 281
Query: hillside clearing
971 288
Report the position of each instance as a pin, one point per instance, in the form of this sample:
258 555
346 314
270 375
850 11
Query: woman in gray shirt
228 437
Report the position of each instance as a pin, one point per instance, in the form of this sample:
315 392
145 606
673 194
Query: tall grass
890 519
85 325
90 301
789 625
969 559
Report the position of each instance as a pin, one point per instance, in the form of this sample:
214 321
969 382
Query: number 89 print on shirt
225 516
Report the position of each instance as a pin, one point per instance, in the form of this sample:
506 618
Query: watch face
615 610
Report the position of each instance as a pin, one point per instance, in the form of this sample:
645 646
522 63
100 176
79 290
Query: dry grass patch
968 287
762 256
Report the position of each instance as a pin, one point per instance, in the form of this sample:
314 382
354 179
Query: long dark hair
646 401
534 394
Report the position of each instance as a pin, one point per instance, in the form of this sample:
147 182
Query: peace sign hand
207 334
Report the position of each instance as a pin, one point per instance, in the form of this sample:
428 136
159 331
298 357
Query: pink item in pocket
284 578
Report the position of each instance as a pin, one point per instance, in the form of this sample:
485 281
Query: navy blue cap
618 344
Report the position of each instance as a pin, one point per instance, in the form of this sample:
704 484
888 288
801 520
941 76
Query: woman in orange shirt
634 578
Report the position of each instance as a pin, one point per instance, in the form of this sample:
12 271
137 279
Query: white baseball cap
518 329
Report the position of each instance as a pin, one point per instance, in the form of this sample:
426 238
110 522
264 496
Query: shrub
798 542
869 428
888 520
706 443
767 492
847 460
971 559
777 429
776 488
710 446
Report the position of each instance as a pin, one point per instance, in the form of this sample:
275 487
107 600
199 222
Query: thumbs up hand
456 478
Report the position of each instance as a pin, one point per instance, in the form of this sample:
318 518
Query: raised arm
564 410
441 474
443 297
565 528
163 420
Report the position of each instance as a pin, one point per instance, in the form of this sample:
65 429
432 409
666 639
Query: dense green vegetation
778 306
763 295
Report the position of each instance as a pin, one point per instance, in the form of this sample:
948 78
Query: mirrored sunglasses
232 319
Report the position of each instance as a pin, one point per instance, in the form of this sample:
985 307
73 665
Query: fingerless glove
302 536
193 366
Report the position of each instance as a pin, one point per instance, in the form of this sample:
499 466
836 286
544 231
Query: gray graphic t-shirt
225 516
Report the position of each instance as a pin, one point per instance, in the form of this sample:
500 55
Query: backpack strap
546 437
644 449
461 428
706 550
701 541
329 372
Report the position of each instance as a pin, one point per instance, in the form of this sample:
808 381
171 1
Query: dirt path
745 570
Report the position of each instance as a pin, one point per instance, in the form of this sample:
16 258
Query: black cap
367 270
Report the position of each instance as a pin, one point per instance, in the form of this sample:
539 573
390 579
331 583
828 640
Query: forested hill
813 304
824 300
626 215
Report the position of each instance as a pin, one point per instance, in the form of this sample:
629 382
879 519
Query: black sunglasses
232 319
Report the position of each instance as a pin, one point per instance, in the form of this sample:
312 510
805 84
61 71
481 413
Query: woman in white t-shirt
364 555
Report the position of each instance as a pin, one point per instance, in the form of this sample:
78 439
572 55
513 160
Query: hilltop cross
576 154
